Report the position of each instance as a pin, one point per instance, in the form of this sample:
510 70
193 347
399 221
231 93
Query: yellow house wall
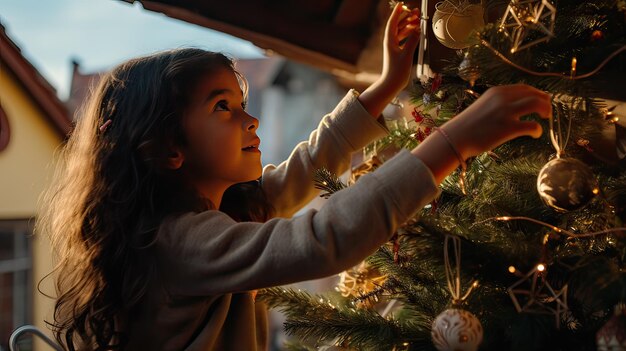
24 172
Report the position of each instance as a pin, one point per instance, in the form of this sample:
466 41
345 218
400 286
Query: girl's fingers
394 19
409 24
399 19
519 91
408 20
529 128
524 99
406 32
403 15
529 104
413 41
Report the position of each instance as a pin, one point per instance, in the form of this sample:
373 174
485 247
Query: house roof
42 93
80 87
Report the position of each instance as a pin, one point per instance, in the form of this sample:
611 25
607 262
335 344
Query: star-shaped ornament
526 18
539 297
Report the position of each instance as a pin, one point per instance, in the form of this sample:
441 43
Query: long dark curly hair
112 189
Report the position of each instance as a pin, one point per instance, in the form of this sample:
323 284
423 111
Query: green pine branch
329 183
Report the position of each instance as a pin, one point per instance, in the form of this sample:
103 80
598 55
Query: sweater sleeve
208 253
348 128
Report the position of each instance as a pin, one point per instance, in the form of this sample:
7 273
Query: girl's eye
222 105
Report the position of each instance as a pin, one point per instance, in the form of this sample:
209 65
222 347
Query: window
4 130
16 286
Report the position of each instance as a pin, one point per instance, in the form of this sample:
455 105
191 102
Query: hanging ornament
620 130
612 336
467 71
566 184
431 92
425 124
597 35
524 19
360 280
364 168
394 114
539 297
456 329
454 21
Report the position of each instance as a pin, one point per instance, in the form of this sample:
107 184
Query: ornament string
450 7
557 139
555 229
551 74
453 275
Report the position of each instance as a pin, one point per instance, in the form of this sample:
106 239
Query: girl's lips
253 146
251 149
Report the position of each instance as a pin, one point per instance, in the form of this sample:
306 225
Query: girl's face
222 146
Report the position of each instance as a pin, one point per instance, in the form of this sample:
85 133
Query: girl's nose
251 123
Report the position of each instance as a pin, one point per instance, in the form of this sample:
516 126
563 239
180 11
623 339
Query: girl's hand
400 41
399 44
494 118
490 121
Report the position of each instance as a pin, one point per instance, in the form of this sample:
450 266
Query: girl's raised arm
351 126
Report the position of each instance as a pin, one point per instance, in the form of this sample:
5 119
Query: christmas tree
525 249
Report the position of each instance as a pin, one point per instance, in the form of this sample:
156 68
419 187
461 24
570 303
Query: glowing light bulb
512 269
541 267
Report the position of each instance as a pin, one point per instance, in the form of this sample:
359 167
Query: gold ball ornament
456 330
612 336
359 280
454 21
364 168
566 184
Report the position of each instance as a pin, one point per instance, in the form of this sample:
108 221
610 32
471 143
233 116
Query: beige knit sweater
208 264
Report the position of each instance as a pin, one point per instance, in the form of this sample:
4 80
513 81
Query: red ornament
436 83
417 115
433 206
420 135
612 336
597 35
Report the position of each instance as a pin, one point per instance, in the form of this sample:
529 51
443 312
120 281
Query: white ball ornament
456 330
612 336
454 21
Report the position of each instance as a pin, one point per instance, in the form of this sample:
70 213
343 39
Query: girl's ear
174 159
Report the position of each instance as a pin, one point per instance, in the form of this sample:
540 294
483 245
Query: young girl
165 223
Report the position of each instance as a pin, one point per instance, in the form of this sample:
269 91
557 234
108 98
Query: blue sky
100 34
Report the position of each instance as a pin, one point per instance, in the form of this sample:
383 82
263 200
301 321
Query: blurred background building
33 123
